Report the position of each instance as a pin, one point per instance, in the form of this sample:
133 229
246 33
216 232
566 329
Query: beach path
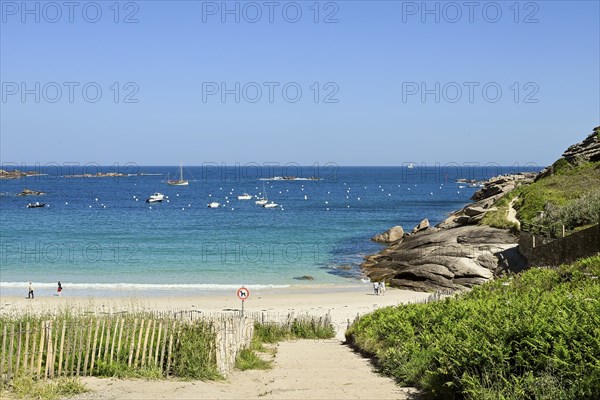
304 369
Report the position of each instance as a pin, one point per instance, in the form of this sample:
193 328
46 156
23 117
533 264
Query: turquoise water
95 237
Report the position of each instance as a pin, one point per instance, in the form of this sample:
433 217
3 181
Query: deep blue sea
99 236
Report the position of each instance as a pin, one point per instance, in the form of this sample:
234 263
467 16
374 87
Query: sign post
243 294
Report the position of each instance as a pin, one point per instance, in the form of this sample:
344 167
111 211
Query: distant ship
410 166
180 181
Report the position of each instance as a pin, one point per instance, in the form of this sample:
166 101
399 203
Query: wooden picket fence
83 347
100 343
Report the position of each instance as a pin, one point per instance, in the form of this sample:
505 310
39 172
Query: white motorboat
155 198
214 204
410 166
244 196
270 205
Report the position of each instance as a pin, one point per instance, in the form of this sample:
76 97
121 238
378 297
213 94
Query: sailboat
180 181
261 201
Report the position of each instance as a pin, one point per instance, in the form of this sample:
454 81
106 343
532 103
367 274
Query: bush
581 212
514 338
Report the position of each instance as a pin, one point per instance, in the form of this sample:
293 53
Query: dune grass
26 387
535 335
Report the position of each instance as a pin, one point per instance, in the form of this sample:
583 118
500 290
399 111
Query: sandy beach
343 303
308 369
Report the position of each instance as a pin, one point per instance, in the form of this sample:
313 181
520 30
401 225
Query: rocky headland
454 255
461 252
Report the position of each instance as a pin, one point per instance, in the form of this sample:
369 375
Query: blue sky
370 67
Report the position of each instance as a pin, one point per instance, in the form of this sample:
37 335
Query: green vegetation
535 335
498 218
299 328
569 197
29 388
249 359
567 185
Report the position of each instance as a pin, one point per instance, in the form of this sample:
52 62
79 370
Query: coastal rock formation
485 198
391 235
586 151
29 192
16 174
439 259
423 225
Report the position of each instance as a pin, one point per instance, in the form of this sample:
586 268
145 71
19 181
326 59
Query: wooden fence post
129 362
139 344
94 347
41 351
62 347
26 348
87 348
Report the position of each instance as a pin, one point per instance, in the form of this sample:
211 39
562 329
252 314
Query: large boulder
423 225
391 235
454 258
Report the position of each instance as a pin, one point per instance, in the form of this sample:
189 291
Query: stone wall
543 251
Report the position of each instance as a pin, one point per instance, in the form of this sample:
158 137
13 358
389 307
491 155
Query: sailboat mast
181 170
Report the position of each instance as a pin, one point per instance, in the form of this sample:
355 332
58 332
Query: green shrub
25 386
578 213
249 359
532 336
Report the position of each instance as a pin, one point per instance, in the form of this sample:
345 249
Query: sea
99 237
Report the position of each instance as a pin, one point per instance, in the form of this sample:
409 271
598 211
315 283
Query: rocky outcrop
423 225
29 192
15 174
438 259
586 151
391 235
485 198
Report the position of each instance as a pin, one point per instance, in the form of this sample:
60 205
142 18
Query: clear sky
397 81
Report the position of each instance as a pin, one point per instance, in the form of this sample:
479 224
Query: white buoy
327 209
305 197
66 203
189 204
177 195
182 209
326 202
104 206
90 206
96 199
358 198
137 200
150 207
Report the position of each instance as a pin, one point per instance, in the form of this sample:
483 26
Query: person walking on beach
30 294
59 290
376 288
382 288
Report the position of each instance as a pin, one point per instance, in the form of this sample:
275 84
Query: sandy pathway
303 369
511 214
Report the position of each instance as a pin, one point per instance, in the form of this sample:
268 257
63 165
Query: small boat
261 201
410 166
244 196
155 198
214 204
37 204
180 181
270 205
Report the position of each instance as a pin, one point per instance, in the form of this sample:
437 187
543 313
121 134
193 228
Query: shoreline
343 305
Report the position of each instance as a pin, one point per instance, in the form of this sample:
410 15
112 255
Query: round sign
243 293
